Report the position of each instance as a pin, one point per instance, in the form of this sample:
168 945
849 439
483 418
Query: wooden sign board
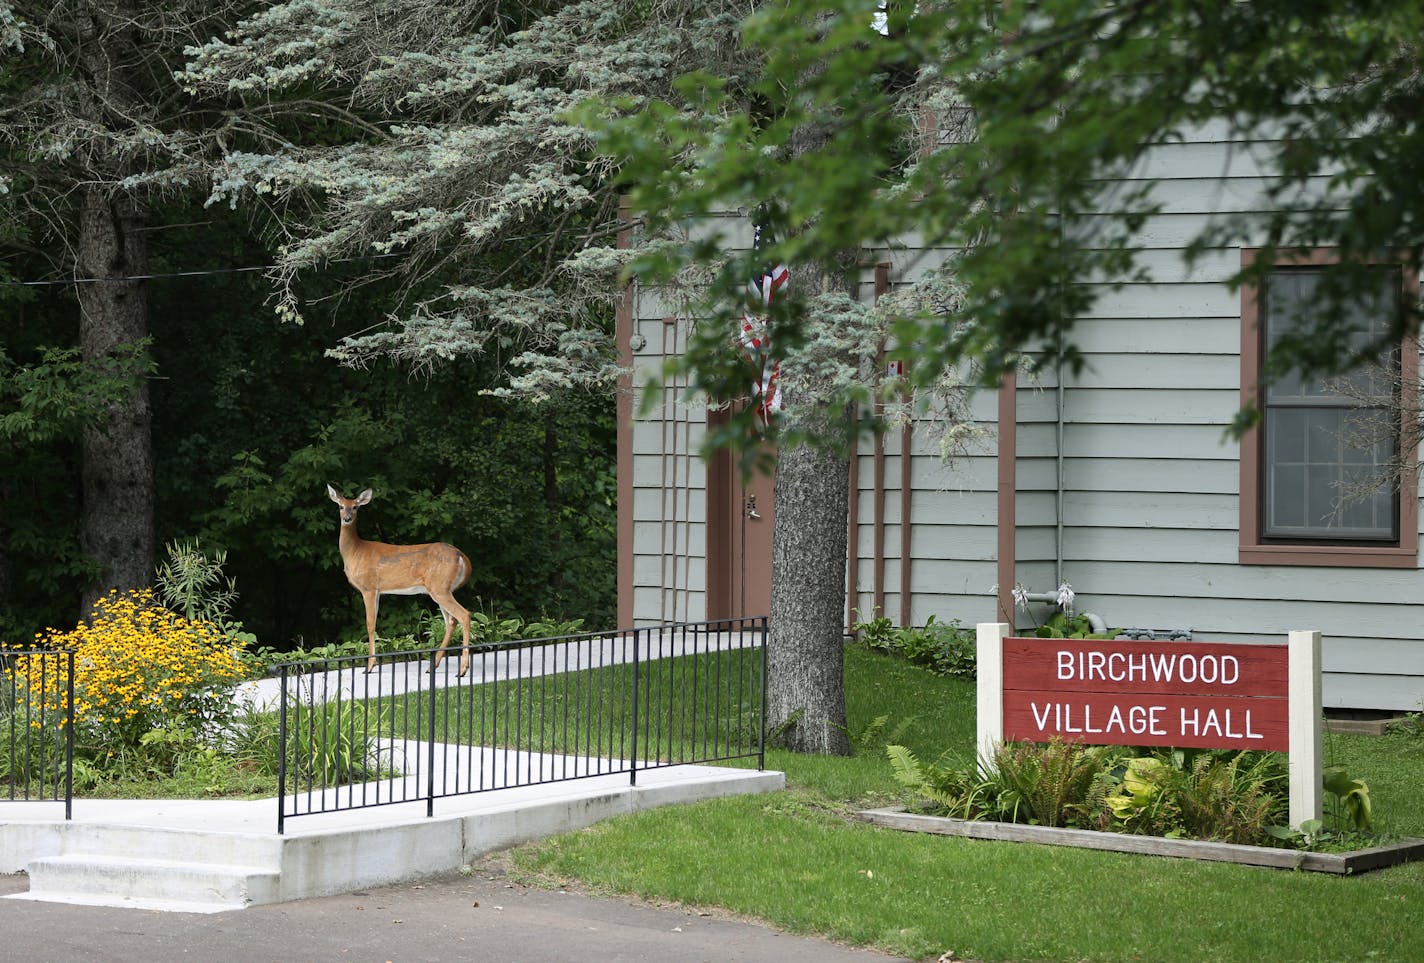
1184 694
1180 694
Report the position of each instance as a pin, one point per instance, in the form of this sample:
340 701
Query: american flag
762 289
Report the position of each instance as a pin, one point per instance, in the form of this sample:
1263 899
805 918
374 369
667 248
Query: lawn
800 861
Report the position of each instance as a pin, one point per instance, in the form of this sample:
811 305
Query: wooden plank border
1344 864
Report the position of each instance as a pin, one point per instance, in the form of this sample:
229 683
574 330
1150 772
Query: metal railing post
633 763
69 740
698 714
282 752
430 776
761 709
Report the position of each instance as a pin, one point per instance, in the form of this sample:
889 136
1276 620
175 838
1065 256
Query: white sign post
989 675
1304 752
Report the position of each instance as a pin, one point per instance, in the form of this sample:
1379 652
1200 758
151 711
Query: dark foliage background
251 421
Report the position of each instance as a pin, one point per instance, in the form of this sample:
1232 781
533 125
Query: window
1313 441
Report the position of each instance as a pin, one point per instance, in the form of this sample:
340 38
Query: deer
374 569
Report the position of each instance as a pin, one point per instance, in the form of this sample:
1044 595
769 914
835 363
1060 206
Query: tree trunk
118 479
806 684
805 656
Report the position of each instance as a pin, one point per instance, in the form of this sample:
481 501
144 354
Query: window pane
1320 448
1314 467
1320 496
1288 302
1285 499
1287 436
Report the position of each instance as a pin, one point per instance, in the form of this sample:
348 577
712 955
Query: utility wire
56 282
130 277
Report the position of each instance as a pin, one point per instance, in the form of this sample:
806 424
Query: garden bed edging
1343 864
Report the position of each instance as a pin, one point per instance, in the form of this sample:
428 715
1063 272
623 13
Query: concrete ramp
213 856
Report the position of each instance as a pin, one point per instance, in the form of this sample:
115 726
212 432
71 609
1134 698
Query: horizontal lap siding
1151 503
1036 484
953 508
953 535
669 502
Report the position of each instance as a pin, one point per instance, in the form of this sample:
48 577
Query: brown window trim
1252 550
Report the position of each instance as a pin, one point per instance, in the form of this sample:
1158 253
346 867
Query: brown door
740 517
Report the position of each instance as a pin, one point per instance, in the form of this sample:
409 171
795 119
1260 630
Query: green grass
702 708
1393 765
788 861
797 860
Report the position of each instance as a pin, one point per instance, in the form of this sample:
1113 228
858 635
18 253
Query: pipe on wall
1095 621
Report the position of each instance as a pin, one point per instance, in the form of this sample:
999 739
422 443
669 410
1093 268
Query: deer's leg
449 631
453 612
463 615
373 605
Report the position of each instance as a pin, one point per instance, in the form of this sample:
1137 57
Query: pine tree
95 130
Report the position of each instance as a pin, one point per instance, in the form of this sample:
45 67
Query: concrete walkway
211 856
498 664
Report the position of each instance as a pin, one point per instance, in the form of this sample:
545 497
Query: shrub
138 668
1236 797
1061 625
946 648
424 635
943 789
1347 800
192 583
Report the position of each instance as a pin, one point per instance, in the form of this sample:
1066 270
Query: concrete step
150 883
173 845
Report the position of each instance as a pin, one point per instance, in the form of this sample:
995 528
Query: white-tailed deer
375 569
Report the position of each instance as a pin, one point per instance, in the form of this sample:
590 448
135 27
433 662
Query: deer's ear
334 495
364 497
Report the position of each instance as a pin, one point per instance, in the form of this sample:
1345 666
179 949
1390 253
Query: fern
938 789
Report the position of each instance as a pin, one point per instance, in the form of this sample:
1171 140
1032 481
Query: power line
130 277
55 282
210 272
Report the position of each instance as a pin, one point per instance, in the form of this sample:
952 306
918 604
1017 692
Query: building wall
1152 499
947 567
668 480
1146 524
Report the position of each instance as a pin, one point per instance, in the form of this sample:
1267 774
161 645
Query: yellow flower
134 663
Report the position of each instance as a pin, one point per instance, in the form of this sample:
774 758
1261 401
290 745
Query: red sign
1186 694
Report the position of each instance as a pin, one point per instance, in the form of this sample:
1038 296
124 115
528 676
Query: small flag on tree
762 289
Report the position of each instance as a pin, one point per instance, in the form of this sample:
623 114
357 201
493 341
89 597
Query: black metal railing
525 713
37 738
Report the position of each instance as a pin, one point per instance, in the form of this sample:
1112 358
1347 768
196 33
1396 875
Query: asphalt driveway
481 916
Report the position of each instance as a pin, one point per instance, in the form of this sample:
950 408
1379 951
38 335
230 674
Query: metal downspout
1058 445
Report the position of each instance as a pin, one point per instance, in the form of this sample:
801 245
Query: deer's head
349 505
